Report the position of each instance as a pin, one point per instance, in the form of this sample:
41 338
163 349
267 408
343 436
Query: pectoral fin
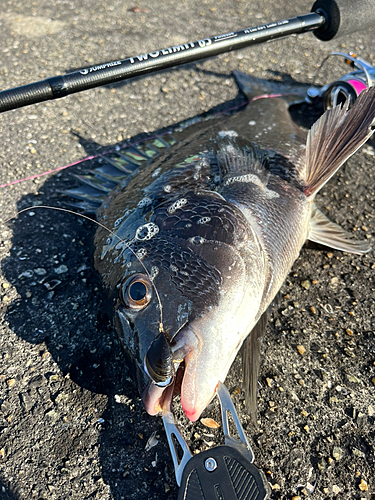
250 352
326 232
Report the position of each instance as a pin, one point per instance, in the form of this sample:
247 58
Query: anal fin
327 233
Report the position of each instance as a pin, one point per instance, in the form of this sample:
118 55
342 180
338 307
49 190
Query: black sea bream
205 234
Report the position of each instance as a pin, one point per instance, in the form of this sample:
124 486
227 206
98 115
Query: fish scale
224 218
269 215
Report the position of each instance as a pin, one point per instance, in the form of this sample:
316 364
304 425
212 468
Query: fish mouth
164 366
154 395
196 390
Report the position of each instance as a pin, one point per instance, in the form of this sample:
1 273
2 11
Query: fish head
146 327
185 297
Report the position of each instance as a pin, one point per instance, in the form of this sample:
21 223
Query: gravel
71 422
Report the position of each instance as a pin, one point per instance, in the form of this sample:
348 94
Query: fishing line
112 233
168 130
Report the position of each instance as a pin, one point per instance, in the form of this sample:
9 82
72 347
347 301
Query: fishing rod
327 19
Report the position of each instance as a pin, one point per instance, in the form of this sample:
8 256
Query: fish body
204 235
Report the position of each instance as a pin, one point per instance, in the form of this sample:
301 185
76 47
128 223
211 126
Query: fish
203 235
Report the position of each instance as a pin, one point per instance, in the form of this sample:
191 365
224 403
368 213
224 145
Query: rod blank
104 74
329 18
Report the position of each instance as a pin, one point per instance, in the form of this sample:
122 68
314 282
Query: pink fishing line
273 96
36 176
266 96
48 172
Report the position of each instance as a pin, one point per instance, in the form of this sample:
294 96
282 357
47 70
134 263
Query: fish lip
153 395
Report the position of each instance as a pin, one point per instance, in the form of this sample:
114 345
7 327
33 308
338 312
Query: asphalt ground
71 422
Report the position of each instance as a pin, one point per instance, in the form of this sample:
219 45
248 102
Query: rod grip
344 17
25 95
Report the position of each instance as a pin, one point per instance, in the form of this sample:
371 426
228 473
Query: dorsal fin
335 137
115 168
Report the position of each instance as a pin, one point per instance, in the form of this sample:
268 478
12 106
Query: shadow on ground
59 312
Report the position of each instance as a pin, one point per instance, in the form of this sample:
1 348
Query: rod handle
344 17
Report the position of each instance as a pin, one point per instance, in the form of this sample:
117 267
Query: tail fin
253 87
335 137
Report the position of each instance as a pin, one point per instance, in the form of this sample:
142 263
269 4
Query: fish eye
136 292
